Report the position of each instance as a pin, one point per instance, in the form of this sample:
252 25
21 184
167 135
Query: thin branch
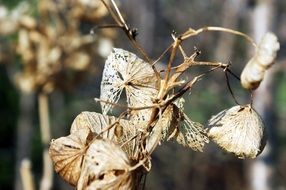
191 32
104 26
188 86
229 88
172 57
112 13
162 54
124 106
117 16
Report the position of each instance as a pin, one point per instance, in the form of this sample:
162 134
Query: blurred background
51 60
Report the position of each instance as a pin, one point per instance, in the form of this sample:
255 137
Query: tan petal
124 70
175 124
67 154
108 127
105 166
193 133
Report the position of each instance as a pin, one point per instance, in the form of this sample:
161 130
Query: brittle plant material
68 152
239 130
127 133
178 126
106 167
119 131
253 73
191 134
124 70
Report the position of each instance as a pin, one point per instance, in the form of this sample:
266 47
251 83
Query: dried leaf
105 167
239 130
124 70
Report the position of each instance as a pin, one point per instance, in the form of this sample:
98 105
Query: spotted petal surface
124 70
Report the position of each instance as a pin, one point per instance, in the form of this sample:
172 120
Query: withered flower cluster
108 152
137 132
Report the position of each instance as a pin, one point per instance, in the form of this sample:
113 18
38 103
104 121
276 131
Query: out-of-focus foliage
54 52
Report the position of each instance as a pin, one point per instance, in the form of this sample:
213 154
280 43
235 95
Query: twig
191 32
229 88
125 107
188 86
118 18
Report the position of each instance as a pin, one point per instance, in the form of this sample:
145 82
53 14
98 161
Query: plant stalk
47 178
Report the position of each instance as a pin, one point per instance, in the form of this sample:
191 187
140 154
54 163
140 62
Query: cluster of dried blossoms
107 152
101 150
54 52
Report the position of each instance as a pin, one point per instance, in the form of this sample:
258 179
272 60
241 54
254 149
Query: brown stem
191 32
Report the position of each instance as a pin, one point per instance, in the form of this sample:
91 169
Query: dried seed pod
105 166
253 73
67 153
239 130
124 70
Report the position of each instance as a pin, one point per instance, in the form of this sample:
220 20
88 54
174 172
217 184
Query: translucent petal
191 134
239 130
124 70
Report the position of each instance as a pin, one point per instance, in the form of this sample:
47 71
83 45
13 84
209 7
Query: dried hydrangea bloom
105 167
124 70
253 73
239 130
69 153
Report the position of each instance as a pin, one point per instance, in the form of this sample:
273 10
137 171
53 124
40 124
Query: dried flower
105 166
239 130
67 153
124 70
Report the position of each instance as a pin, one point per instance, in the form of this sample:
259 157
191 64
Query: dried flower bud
239 130
253 73
267 49
105 166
